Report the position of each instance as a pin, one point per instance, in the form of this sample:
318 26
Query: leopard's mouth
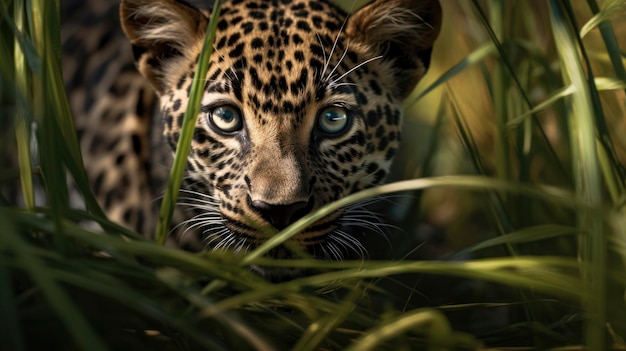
247 235
338 236
335 237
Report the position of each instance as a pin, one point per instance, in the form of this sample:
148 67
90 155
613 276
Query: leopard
302 105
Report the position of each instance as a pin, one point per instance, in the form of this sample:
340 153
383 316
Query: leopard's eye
333 120
225 119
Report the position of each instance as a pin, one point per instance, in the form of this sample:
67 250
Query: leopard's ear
403 32
164 34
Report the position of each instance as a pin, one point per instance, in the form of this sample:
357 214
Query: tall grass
524 176
189 122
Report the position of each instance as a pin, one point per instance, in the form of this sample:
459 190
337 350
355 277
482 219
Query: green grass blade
318 330
78 215
609 9
618 238
608 83
468 182
496 205
45 23
23 42
552 99
602 127
476 56
57 111
532 234
610 175
47 36
587 175
432 323
23 137
107 286
498 45
23 48
147 250
542 274
187 130
613 48
499 92
509 67
602 84
238 326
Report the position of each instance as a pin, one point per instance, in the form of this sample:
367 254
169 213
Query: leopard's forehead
277 49
279 62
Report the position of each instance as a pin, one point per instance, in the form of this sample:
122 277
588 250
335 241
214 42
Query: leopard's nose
281 216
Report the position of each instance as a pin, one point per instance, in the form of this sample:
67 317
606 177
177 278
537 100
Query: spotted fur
302 106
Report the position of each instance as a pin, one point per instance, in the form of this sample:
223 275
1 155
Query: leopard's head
302 106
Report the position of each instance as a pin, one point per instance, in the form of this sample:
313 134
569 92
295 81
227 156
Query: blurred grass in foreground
531 114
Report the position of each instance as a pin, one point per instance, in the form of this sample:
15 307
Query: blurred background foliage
512 235
483 98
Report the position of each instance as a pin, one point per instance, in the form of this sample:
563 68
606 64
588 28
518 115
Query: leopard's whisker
332 50
349 242
332 247
326 59
345 52
334 82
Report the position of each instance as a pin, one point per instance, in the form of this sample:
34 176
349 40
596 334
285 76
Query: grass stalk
433 323
539 274
499 90
188 127
586 171
509 67
602 129
22 128
45 18
478 183
608 35
320 329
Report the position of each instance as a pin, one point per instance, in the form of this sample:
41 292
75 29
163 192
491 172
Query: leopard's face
302 106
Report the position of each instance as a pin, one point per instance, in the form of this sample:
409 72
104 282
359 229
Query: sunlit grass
188 125
527 140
